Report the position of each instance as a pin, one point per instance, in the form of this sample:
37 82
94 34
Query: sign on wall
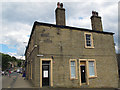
45 74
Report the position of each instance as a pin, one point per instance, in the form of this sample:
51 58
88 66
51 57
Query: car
3 73
18 70
12 71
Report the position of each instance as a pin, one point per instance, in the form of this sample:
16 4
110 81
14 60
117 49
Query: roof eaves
30 36
69 27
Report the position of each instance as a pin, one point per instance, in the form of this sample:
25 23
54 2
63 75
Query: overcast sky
17 20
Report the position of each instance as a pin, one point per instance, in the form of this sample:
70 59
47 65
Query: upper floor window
88 40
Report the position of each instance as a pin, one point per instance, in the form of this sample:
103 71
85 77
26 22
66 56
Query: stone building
118 60
63 56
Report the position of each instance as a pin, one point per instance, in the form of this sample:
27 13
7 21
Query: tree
19 63
14 59
5 61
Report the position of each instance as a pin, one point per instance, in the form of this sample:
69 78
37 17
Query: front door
45 73
83 71
83 74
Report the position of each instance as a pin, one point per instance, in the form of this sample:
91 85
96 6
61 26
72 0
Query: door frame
51 75
86 65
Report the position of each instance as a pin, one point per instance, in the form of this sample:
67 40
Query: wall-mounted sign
45 74
83 71
39 55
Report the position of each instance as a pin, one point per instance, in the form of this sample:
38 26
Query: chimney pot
60 14
96 21
94 13
61 5
58 4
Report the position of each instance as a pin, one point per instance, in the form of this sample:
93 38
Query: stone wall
65 44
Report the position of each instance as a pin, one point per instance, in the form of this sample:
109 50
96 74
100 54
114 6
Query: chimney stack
96 21
60 14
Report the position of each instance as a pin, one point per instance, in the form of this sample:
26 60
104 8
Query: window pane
73 72
91 68
88 43
88 39
72 63
91 63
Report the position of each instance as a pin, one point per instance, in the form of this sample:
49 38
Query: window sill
92 76
89 47
73 78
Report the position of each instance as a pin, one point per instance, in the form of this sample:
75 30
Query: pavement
15 81
7 81
22 83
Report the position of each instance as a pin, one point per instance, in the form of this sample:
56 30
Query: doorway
83 71
46 76
45 73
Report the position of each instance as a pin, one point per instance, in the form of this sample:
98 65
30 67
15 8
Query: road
8 82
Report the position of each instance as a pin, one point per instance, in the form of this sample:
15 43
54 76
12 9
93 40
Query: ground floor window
73 69
87 70
92 68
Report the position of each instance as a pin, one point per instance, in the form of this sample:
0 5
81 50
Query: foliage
6 59
19 63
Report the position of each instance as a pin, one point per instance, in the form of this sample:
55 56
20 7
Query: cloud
15 55
100 1
14 37
28 12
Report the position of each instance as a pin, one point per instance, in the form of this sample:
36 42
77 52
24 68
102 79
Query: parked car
12 71
4 72
18 70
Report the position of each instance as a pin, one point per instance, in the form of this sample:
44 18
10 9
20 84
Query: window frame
76 71
93 60
91 39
